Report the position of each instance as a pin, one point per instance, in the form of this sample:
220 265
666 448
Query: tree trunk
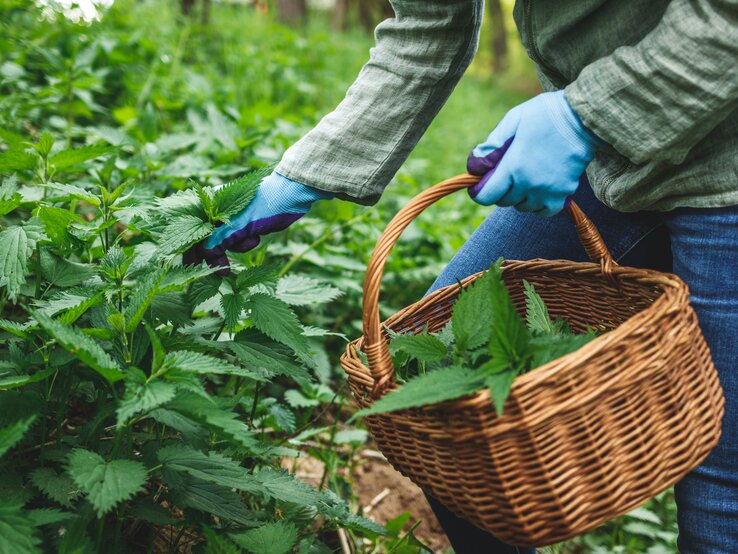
292 12
499 37
205 15
339 19
366 17
187 6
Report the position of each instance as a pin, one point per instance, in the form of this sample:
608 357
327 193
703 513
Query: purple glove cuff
484 166
241 240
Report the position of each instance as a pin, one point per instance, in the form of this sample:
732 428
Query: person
638 123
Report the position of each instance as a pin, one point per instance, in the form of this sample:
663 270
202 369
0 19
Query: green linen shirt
656 80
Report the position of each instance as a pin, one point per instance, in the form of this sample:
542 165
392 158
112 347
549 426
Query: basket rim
674 291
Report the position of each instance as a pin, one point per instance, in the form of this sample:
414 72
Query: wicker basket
583 439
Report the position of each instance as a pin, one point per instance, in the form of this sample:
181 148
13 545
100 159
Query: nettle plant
485 345
138 394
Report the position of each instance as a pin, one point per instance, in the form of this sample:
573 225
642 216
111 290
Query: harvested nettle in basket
485 345
548 397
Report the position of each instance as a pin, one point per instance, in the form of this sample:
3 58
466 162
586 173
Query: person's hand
278 203
534 157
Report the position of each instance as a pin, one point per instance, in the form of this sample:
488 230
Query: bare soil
384 494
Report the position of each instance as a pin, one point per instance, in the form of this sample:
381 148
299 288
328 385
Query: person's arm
419 57
655 100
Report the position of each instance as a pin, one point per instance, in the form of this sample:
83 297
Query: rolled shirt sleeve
654 100
418 58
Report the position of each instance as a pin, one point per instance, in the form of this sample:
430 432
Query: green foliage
17 530
234 196
442 384
465 363
124 141
105 484
11 434
273 538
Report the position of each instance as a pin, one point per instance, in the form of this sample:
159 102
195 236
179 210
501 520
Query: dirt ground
384 494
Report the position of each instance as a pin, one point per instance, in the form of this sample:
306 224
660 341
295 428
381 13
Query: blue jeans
699 245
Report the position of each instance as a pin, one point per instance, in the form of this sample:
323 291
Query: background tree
498 37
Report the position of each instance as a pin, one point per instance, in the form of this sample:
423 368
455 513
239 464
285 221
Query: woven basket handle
375 347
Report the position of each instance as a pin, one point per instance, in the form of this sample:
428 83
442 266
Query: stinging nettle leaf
18 533
106 484
182 233
275 319
142 398
211 466
196 362
299 290
12 434
439 385
68 158
472 314
83 346
233 197
59 488
145 291
537 315
273 538
423 347
232 305
15 250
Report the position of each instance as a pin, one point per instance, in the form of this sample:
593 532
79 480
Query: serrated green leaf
545 349
146 289
44 144
273 538
212 467
232 306
59 488
536 314
181 276
216 544
276 320
509 337
500 385
64 273
423 347
106 484
49 516
56 223
15 160
182 233
233 197
59 302
439 385
472 314
15 250
11 434
76 192
15 327
299 290
211 499
143 397
283 417
15 381
196 362
84 347
286 487
259 356
256 275
7 205
17 531
75 156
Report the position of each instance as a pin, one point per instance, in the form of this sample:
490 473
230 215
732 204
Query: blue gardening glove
534 157
278 203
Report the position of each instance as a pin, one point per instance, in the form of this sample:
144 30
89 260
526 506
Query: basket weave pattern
583 439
